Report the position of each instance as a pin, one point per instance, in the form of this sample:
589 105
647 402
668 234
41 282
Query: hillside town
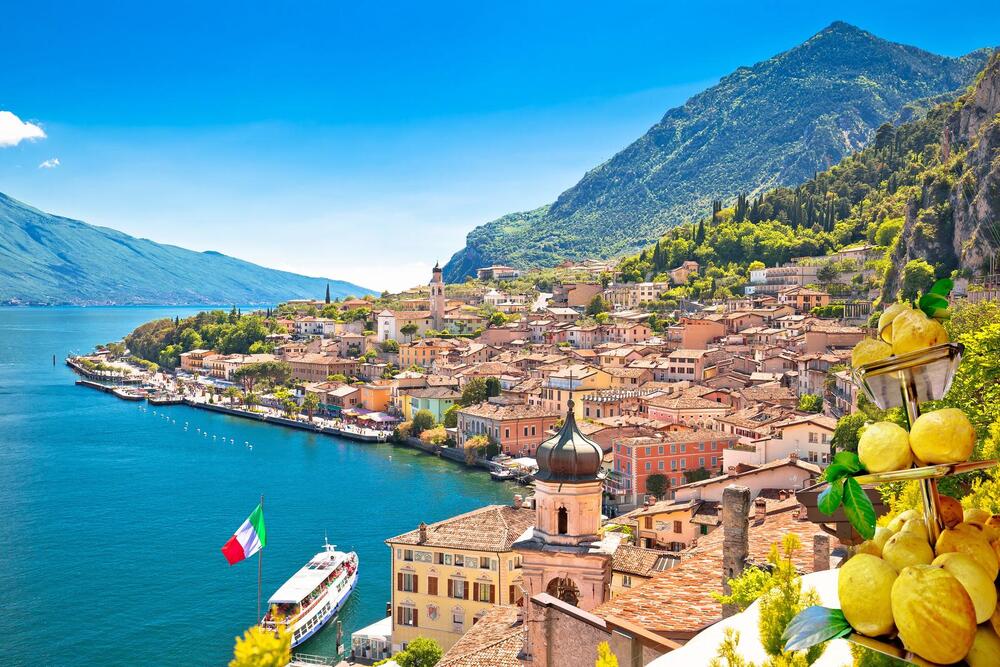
661 461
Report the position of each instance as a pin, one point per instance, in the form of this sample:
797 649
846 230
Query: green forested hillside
776 123
47 259
903 194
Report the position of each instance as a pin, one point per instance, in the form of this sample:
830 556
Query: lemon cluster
901 329
940 601
942 436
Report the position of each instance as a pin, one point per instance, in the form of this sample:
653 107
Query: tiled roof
494 641
678 601
490 528
685 403
497 411
442 392
640 562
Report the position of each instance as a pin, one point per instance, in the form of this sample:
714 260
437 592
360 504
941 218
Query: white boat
501 474
314 594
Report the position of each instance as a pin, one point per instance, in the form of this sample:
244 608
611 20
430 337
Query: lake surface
113 516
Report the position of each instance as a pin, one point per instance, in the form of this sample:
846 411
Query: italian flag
248 540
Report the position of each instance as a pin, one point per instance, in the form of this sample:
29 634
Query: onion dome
569 456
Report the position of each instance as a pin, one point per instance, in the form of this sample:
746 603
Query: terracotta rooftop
678 603
494 641
641 562
489 410
490 528
686 403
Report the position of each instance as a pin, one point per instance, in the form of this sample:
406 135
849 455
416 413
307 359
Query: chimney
793 456
759 509
782 495
735 537
518 501
423 532
821 552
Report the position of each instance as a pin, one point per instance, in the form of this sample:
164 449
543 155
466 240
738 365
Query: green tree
389 345
310 404
848 430
810 403
475 391
451 416
696 475
271 373
827 273
337 377
918 276
420 652
190 339
657 485
497 319
408 330
233 394
598 304
493 387
422 421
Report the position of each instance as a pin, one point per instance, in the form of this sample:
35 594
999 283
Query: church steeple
569 456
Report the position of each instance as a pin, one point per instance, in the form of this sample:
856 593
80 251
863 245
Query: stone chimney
793 456
759 509
821 552
423 532
518 501
782 495
735 538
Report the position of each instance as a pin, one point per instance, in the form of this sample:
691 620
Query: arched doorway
565 589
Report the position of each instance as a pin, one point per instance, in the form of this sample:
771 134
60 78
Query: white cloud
13 130
49 164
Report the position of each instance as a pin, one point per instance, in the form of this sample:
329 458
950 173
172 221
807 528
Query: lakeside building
448 575
517 428
497 272
569 384
670 454
436 400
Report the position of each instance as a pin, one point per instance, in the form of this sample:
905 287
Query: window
459 560
812 436
407 554
458 619
532 430
648 522
563 521
673 449
626 581
660 465
438 558
661 449
458 589
678 528
684 464
648 451
649 465
432 586
406 616
701 461
506 433
406 582
485 592
447 559
715 461
673 464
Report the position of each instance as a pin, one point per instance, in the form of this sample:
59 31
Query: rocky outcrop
955 222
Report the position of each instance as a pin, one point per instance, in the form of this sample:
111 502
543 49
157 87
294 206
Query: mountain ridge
740 135
47 259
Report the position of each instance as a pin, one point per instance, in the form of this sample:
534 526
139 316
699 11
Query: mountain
924 195
776 123
47 259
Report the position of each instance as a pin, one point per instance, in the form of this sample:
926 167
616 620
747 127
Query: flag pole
260 556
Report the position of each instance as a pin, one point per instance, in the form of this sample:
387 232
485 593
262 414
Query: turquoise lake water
113 517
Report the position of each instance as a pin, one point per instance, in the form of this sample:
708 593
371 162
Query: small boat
314 594
501 474
129 394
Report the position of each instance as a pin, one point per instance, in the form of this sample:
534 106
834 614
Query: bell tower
564 555
437 298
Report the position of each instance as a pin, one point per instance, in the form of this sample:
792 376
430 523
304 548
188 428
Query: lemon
933 613
974 580
985 651
918 527
914 331
874 545
905 549
942 436
897 522
885 446
967 539
864 586
869 351
886 318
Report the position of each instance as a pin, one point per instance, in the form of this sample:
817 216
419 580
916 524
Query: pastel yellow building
447 575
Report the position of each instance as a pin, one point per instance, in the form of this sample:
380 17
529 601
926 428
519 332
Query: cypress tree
328 293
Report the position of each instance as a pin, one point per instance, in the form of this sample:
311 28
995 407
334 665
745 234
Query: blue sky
363 142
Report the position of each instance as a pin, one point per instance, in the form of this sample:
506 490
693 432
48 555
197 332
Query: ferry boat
314 594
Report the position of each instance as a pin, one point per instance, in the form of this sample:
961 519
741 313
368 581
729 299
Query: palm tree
309 405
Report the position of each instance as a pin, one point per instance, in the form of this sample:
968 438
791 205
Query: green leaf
858 508
829 500
933 304
835 471
849 460
815 625
942 287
